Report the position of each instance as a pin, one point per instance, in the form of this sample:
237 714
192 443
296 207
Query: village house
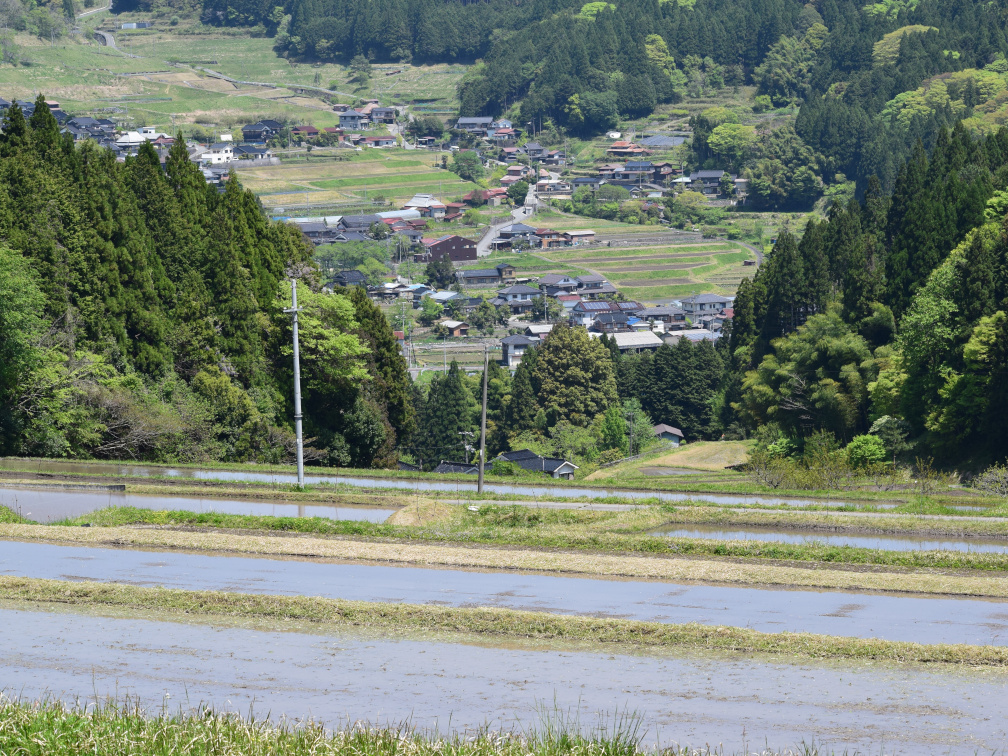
705 304
478 125
529 460
633 342
456 328
625 149
380 141
217 154
353 119
708 181
534 150
261 131
669 316
518 297
594 286
427 205
548 238
554 284
383 115
306 131
611 322
513 348
451 247
580 236
248 152
668 433
503 273
349 278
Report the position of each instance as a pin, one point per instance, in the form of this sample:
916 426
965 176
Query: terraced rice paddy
472 615
651 274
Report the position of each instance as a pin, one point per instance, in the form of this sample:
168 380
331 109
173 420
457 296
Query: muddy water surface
904 618
886 542
459 487
455 686
45 505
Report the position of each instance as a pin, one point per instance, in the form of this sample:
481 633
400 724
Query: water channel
46 505
889 617
277 476
866 541
743 702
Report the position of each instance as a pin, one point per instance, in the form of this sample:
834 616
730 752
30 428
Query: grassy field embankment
487 622
586 553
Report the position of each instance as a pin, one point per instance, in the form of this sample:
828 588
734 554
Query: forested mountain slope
141 316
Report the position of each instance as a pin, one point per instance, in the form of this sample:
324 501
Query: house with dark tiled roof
554 467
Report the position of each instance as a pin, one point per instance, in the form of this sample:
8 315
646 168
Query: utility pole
482 459
466 435
630 415
294 310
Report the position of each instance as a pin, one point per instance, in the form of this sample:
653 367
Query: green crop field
343 175
656 274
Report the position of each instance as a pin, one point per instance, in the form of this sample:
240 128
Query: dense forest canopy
142 316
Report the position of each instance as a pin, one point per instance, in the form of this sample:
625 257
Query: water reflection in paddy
47 505
336 677
886 542
865 615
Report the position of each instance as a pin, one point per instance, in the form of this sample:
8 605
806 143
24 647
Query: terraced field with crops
395 175
647 274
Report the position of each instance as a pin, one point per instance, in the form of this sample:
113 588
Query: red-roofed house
625 149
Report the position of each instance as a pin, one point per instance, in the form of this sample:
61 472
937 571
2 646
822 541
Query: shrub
993 480
865 450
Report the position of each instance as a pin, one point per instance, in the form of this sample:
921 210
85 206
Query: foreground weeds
52 728
504 624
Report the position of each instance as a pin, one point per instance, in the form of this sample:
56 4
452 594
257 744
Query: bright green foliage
613 430
887 49
865 450
785 73
430 311
574 378
590 10
467 165
893 433
517 192
815 379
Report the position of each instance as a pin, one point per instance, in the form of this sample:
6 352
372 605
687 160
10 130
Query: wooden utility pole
482 459
294 310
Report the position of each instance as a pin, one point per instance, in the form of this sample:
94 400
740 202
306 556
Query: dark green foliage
449 412
676 385
440 273
148 323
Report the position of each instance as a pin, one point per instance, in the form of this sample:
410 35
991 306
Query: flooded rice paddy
886 542
45 505
278 476
742 702
865 615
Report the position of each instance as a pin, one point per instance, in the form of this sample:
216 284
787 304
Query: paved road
519 214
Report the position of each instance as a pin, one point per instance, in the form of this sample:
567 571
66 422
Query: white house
217 154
